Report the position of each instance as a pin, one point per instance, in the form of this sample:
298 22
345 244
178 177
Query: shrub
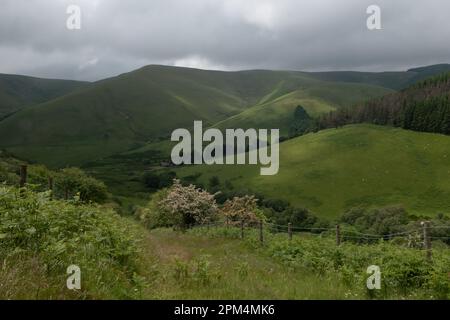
152 215
57 234
382 221
75 180
241 209
188 205
158 181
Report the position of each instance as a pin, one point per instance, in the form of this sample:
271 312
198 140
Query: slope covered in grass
125 112
121 113
321 98
17 91
336 169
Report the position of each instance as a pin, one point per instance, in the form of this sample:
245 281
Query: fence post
242 229
290 231
50 187
261 237
427 239
338 235
66 193
23 175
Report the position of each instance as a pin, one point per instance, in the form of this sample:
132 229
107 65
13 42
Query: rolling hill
393 80
124 112
425 106
17 91
118 129
357 165
131 110
322 97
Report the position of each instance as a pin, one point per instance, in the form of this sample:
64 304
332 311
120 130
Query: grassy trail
185 266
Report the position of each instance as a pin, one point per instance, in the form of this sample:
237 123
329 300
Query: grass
405 271
358 165
120 259
190 266
316 100
202 264
122 113
17 92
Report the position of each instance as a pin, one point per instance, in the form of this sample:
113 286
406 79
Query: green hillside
336 169
318 99
424 107
393 80
17 91
124 112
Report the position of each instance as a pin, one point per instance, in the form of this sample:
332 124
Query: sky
118 36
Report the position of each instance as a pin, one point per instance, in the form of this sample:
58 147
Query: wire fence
418 237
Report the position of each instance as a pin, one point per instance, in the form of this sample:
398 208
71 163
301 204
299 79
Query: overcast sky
118 36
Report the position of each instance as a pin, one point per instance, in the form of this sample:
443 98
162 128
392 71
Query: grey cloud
118 36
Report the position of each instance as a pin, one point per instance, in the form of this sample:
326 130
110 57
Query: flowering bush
241 209
188 205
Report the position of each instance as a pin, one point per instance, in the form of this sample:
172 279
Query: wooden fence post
338 235
261 236
50 187
23 175
242 229
66 193
427 239
290 231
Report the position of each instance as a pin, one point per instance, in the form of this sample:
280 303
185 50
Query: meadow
358 165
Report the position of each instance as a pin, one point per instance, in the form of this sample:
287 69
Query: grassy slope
204 264
114 114
217 268
321 98
120 113
234 270
17 91
335 169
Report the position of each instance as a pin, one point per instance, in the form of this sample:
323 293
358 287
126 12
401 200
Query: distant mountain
125 112
424 72
392 80
120 113
17 91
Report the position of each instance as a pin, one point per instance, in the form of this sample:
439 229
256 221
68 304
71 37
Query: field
358 165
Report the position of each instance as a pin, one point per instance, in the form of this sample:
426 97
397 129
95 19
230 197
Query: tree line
423 107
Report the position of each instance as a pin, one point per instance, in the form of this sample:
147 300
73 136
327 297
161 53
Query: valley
140 229
118 129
